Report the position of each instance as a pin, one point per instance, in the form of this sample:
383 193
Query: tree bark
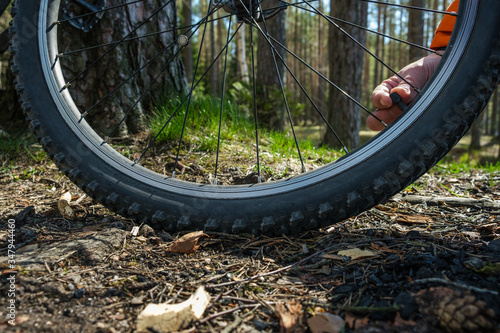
416 30
241 55
121 62
346 67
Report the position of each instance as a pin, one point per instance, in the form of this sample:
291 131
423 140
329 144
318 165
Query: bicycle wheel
125 179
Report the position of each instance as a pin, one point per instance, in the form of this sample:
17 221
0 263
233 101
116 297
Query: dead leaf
355 322
489 227
472 234
412 218
289 314
64 208
356 253
333 257
22 319
398 321
325 322
187 243
383 208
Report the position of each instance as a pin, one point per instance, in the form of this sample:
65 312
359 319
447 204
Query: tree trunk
121 62
345 61
320 84
241 55
268 82
475 133
416 30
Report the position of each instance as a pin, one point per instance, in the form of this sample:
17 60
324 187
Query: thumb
405 91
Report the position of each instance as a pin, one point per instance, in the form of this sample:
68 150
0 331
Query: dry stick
450 201
456 284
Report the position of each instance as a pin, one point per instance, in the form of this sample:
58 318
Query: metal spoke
312 101
374 31
254 87
264 34
222 101
114 46
139 70
362 46
188 96
153 34
98 11
327 80
411 7
164 68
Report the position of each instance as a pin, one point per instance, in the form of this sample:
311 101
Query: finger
380 95
406 92
385 115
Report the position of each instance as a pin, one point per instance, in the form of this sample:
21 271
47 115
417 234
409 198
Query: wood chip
64 208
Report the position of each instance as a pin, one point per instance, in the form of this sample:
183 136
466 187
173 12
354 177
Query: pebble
78 293
137 300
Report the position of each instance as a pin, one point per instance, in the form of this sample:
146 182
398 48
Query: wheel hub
240 8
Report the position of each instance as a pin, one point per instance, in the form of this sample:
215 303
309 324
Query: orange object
443 32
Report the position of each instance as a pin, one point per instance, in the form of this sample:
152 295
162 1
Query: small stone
474 263
78 293
146 230
137 300
76 278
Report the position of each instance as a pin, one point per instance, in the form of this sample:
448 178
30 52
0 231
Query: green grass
15 146
202 122
238 128
465 163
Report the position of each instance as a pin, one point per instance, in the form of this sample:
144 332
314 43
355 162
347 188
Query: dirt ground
428 260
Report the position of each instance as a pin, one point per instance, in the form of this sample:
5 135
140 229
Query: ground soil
425 266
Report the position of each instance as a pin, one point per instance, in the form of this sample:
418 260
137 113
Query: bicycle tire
371 174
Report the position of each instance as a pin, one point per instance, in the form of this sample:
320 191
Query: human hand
416 73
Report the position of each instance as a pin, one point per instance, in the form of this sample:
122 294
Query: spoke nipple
215 181
173 174
64 87
182 40
60 55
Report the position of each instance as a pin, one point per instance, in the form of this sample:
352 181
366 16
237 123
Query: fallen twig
456 284
450 201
